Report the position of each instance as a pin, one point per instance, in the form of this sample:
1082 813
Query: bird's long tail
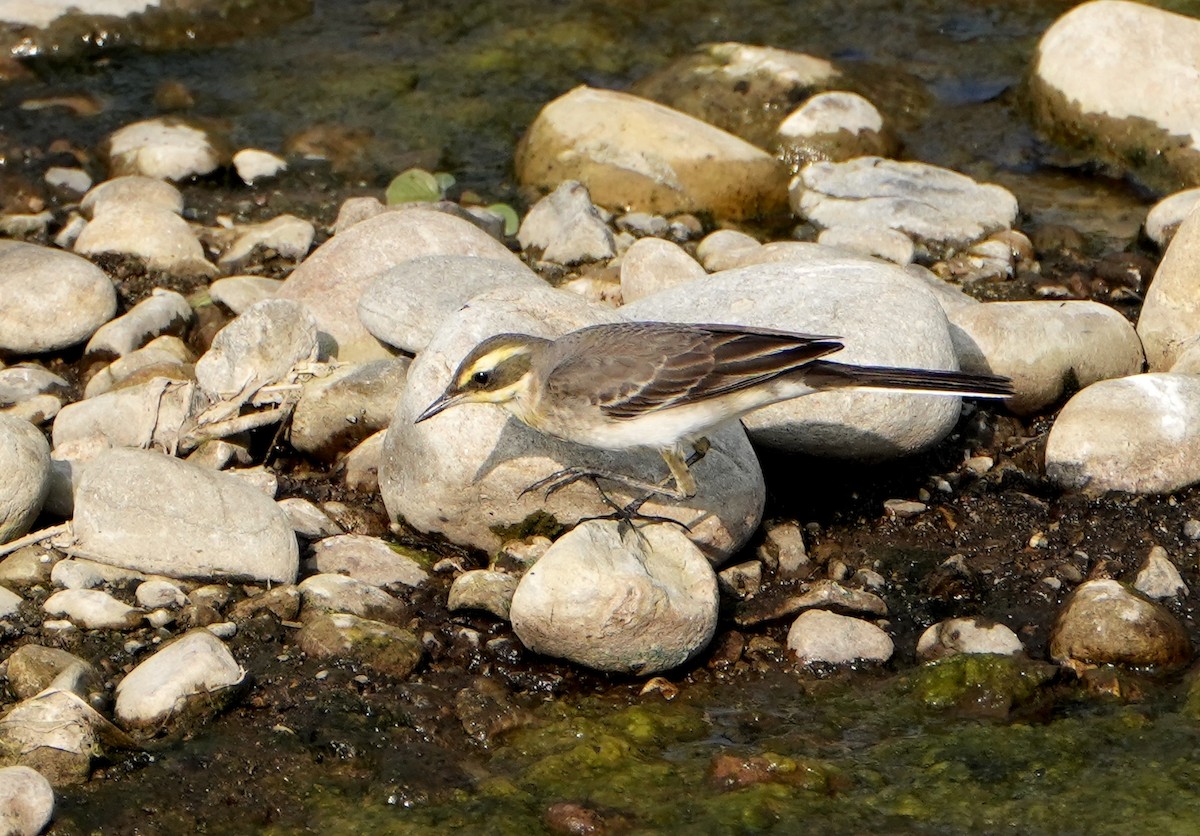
824 374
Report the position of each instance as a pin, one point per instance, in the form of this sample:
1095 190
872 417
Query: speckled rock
258 348
1139 434
566 228
339 410
52 299
25 463
367 559
967 635
26 801
1159 577
652 264
328 593
823 636
1104 623
614 600
382 648
483 589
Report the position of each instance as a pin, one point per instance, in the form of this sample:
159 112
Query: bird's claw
558 480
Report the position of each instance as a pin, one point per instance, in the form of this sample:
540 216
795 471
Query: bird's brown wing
630 369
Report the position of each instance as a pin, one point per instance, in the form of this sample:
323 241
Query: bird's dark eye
481 378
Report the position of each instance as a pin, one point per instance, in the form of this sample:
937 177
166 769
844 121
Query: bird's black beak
445 401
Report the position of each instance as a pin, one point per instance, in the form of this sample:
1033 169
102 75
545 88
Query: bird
665 386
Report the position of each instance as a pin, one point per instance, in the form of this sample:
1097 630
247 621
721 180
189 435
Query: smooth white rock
159 237
71 179
52 299
724 248
259 348
155 514
360 467
58 733
27 380
287 235
25 465
483 589
565 227
158 593
935 206
1045 346
653 264
338 593
132 190
1170 317
461 473
823 636
1139 434
882 314
80 573
163 148
10 603
240 292
254 164
615 600
367 559
405 305
1164 218
93 609
163 312
1159 577
332 279
150 414
880 242
194 667
967 635
168 353
339 410
307 519
26 801
834 125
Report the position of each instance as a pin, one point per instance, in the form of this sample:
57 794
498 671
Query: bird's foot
570 475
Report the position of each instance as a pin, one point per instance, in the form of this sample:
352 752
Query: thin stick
34 537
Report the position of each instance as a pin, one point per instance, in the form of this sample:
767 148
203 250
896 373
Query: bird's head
495 371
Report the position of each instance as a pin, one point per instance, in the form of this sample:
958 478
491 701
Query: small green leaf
413 186
445 181
512 221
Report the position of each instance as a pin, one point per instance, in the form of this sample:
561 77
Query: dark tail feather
825 374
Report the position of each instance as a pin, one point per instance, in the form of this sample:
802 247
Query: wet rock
282 602
93 609
1047 348
332 279
286 236
404 306
133 190
825 593
1170 316
26 567
380 647
52 299
252 164
149 512
308 520
26 801
1165 217
878 242
566 228
158 237
883 315
652 264
165 356
58 734
162 312
982 684
634 153
723 249
783 549
483 589
240 292
361 465
163 148
339 410
25 463
1159 577
742 580
967 635
823 636
337 593
1104 623
259 348
188 680
1139 434
367 559
743 88
68 179
836 126
610 599
150 414
1084 95
938 208
32 669
462 473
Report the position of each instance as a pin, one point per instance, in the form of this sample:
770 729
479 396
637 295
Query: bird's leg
681 474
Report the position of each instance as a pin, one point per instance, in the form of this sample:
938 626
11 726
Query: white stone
883 315
967 635
1170 316
158 593
44 12
93 609
823 636
150 414
880 242
935 206
240 292
253 164
339 593
132 190
1159 577
190 670
10 603
71 179
1044 346
259 348
287 235
361 465
27 380
332 279
637 154
162 148
79 573
615 600
52 299
1164 217
25 465
159 237
26 801
566 228
149 512
652 264
58 733
462 473
1139 434
830 112
483 589
367 559
163 312
307 519
339 410
725 248
167 354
